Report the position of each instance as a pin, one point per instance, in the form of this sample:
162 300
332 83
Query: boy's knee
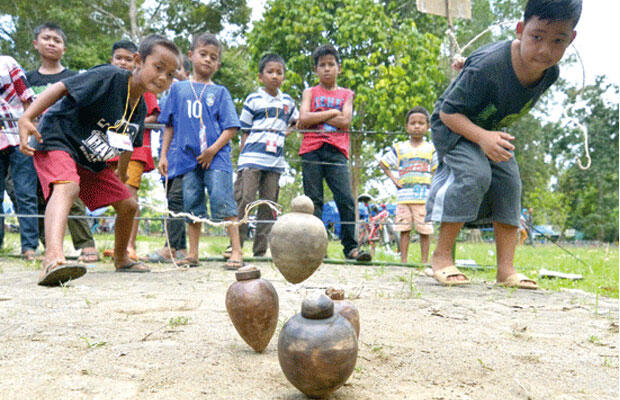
70 190
127 206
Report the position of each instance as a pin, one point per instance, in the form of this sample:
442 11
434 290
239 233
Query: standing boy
415 161
100 113
50 42
141 158
328 109
266 116
202 115
477 180
15 96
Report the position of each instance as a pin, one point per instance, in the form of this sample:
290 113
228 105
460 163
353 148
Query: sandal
519 281
359 255
233 265
443 274
189 262
134 266
56 273
88 255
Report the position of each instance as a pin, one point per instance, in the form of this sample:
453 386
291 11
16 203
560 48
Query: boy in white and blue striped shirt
265 120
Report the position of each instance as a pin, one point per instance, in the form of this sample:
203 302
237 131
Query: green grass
600 272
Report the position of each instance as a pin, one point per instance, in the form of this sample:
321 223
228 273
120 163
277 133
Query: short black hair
325 50
267 58
124 44
148 44
52 27
418 110
553 10
206 38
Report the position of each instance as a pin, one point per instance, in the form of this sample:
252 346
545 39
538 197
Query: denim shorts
219 185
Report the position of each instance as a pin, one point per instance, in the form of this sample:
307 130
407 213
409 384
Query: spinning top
317 349
345 308
298 241
252 304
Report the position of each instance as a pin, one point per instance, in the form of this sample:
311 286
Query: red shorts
96 189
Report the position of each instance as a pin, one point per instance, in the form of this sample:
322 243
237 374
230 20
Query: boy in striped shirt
265 119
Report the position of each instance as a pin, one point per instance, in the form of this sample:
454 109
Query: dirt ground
166 335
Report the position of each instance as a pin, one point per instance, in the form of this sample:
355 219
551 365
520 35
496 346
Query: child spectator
328 109
176 246
141 158
477 180
203 117
15 96
98 114
415 161
50 41
266 116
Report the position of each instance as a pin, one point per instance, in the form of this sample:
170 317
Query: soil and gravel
166 335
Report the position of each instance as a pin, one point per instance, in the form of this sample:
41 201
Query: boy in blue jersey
477 180
266 116
202 117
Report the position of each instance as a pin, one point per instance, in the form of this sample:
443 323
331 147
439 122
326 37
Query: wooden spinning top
345 308
317 348
298 241
252 304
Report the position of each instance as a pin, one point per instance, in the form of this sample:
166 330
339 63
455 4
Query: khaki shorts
408 215
134 173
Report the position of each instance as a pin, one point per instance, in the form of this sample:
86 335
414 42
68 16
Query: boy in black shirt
477 180
50 41
99 113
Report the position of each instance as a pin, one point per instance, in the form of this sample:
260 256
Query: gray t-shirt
488 92
78 123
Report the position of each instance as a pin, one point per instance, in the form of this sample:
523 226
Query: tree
592 193
92 27
386 60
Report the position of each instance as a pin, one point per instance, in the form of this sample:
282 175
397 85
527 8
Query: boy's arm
26 122
307 118
495 144
123 162
388 172
165 146
343 121
152 119
205 158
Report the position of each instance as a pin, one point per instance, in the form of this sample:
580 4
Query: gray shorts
468 187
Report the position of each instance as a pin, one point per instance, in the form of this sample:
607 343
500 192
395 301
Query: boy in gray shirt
477 181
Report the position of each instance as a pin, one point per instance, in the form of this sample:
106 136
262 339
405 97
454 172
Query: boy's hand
496 145
122 177
397 183
27 128
162 166
205 158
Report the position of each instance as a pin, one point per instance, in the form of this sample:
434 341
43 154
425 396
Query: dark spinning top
317 349
345 308
252 304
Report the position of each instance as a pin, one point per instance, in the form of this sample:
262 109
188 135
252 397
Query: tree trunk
133 21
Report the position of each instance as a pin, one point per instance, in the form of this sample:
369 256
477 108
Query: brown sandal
58 272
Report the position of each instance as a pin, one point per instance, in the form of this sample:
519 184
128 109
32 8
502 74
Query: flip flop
130 267
233 265
57 273
189 262
443 274
519 281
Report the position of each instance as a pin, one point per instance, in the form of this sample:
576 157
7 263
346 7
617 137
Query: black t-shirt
78 123
488 92
39 82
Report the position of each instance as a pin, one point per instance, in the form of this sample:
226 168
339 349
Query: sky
596 34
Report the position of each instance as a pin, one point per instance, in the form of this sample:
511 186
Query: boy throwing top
477 181
98 114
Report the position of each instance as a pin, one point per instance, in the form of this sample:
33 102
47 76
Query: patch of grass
178 321
92 345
